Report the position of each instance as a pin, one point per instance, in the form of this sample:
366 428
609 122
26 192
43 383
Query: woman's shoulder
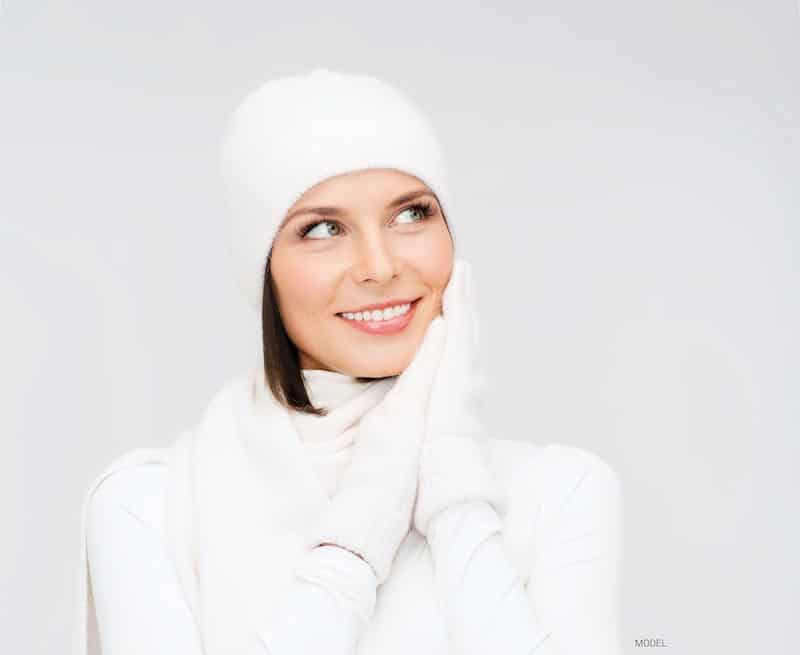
552 474
560 500
552 460
134 484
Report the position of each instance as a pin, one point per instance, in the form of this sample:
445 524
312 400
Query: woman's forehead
367 183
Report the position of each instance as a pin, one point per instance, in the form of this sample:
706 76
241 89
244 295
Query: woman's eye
419 210
320 230
328 228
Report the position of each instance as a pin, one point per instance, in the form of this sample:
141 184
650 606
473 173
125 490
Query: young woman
344 496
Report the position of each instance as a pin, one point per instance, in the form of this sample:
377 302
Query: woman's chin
377 365
376 371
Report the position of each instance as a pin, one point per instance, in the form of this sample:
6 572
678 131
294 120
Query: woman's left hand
453 466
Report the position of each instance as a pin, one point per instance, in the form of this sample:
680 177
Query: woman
344 494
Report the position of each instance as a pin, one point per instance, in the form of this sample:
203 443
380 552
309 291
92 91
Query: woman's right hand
371 513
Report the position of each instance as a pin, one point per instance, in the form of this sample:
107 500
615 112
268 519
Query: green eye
316 230
310 228
422 209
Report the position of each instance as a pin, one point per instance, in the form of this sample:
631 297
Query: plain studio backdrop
626 179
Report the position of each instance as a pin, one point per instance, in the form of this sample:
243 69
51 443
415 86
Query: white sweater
558 595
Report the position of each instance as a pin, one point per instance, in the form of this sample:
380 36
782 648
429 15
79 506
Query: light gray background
626 176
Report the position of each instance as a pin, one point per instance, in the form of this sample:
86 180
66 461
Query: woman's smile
383 319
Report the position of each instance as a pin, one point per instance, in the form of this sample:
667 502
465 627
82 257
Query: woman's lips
392 326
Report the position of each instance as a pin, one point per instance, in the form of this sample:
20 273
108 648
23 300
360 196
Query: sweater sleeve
568 604
335 592
139 605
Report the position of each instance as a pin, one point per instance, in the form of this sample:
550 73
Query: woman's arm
138 601
567 607
326 609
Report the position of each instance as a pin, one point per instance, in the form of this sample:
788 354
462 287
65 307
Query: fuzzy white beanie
291 133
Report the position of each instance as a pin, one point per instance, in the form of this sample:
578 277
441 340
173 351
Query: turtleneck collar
346 400
331 389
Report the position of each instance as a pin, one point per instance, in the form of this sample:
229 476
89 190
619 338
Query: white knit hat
294 132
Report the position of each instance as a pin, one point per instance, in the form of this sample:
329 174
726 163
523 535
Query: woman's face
368 242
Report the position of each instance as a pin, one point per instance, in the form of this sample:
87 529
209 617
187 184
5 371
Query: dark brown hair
282 369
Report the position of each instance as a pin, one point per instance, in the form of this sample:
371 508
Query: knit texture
372 511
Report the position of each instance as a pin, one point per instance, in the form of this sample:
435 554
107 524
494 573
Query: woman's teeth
377 314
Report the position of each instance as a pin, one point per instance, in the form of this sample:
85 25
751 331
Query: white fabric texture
372 510
453 459
292 132
482 597
548 582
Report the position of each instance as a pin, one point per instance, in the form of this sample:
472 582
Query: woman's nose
374 260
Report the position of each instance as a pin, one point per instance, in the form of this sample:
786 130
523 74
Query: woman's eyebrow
338 211
408 196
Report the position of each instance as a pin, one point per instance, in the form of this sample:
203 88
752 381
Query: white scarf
242 489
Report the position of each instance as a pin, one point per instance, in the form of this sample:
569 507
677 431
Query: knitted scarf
242 489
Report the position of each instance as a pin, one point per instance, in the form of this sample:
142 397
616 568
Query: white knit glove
453 465
370 514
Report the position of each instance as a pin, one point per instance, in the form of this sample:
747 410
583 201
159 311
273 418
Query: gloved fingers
459 363
471 312
451 298
411 390
397 423
369 519
460 314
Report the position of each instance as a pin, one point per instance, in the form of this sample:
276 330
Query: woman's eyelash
426 208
